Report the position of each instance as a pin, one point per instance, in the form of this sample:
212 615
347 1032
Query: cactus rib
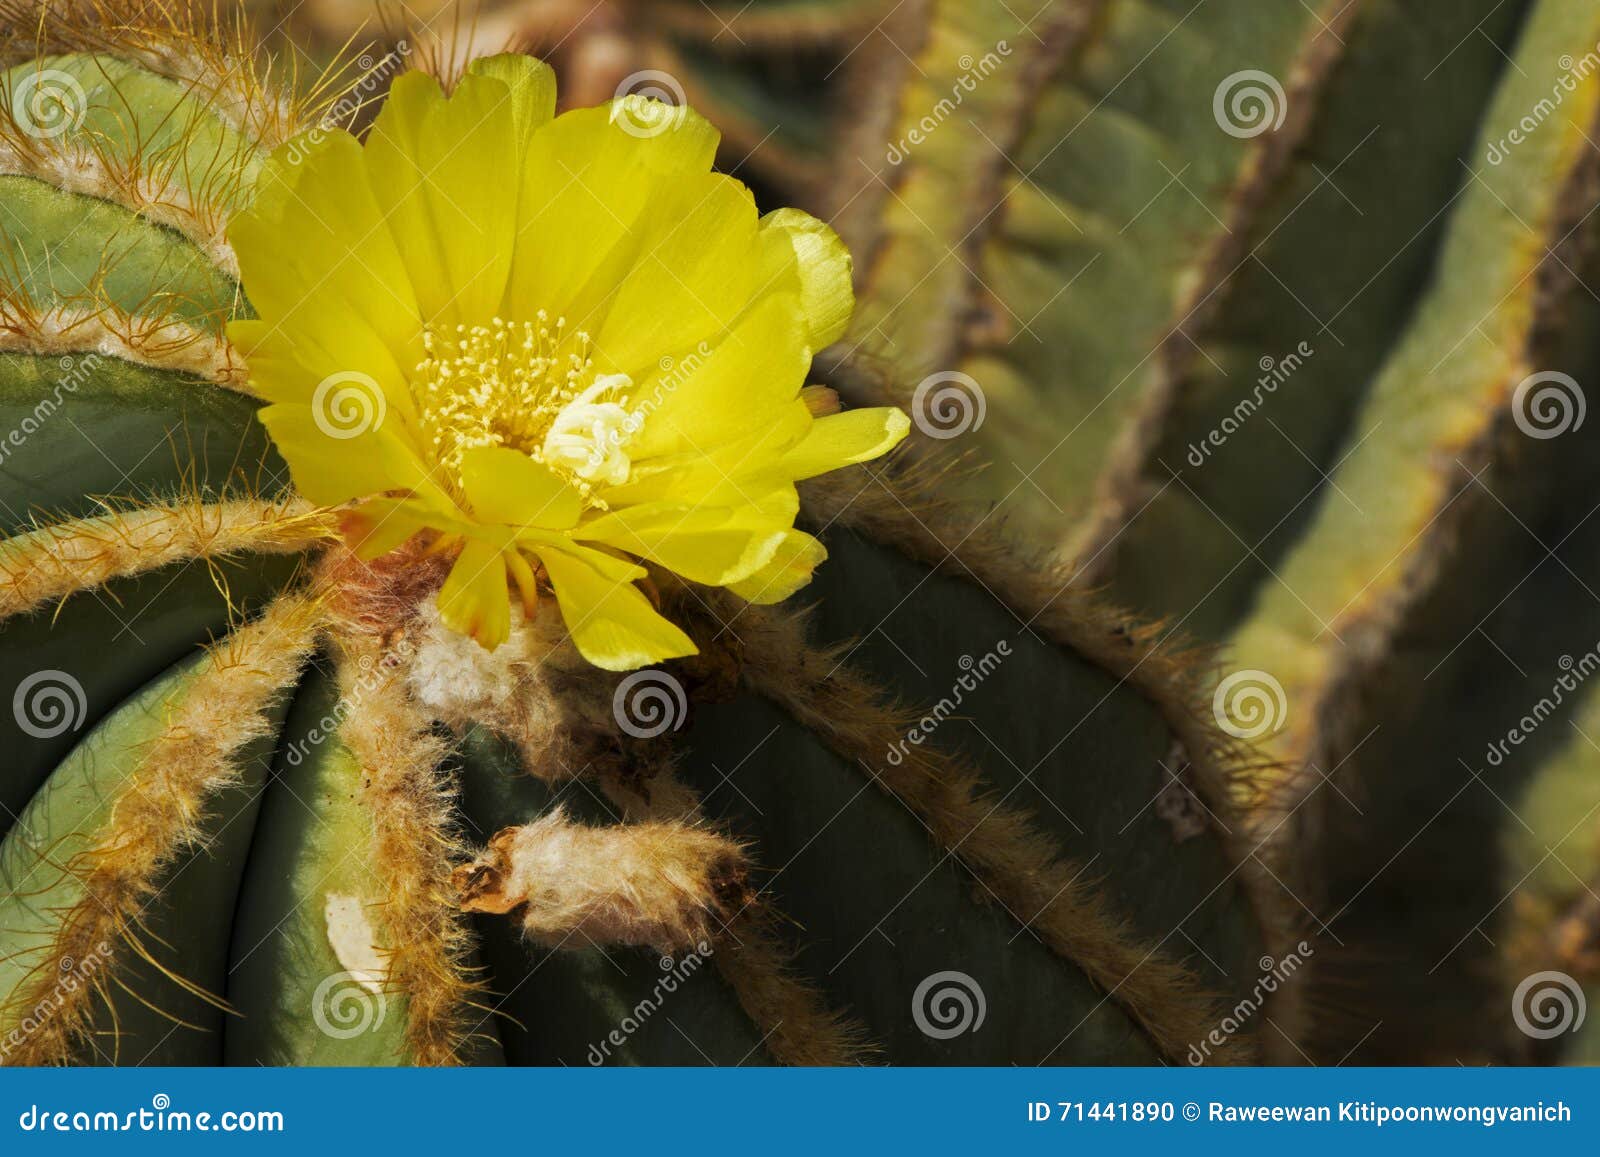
67 558
153 340
157 813
1122 491
1042 889
415 846
797 1024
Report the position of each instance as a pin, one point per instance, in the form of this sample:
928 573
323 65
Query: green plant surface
839 855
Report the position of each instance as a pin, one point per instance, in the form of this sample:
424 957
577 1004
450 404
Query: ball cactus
1273 323
294 780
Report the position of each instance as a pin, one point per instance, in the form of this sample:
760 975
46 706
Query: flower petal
380 525
797 246
323 275
732 474
693 277
845 439
714 546
789 569
585 182
437 170
506 486
329 470
706 400
612 624
533 90
474 600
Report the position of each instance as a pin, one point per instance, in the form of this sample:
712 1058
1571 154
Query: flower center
530 386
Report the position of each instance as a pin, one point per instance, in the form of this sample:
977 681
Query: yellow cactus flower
563 345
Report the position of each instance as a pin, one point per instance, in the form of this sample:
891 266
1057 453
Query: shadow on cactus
395 532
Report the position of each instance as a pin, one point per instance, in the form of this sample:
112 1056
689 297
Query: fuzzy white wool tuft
453 676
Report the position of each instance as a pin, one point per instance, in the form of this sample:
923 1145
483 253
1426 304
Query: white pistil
588 435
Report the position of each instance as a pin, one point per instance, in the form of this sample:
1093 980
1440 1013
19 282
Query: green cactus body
1318 398
265 839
